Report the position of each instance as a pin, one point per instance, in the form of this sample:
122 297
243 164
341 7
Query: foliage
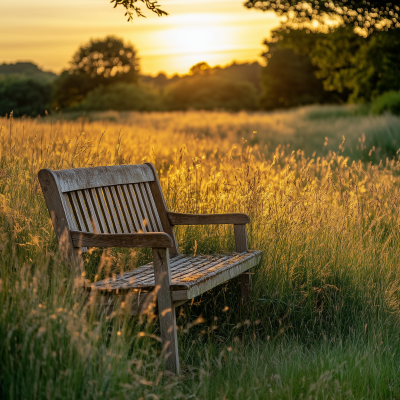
387 102
325 313
288 80
208 92
120 97
235 71
131 7
99 62
370 16
26 70
24 96
357 67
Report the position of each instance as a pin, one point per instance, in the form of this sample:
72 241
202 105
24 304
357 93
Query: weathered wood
84 213
109 207
111 210
223 275
153 207
92 216
148 207
166 308
143 210
161 206
246 289
121 219
245 278
207 219
186 272
240 238
86 178
130 240
57 206
124 209
104 209
97 209
77 211
131 209
136 208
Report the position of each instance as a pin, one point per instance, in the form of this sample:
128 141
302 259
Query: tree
100 62
201 68
288 80
346 62
121 97
24 96
208 92
368 15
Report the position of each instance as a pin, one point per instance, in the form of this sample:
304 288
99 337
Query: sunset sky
48 32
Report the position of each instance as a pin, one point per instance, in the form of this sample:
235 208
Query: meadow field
321 185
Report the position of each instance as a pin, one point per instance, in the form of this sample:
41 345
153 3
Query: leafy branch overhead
131 8
368 15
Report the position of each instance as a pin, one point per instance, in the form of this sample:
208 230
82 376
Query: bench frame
55 186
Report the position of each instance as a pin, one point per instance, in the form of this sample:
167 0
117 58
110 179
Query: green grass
325 314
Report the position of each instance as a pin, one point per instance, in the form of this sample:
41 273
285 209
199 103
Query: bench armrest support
150 240
207 219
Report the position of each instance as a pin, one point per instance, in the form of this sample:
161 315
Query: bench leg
166 309
245 286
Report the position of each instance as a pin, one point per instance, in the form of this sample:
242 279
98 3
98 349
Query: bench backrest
115 199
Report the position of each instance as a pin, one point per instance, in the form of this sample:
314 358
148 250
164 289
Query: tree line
302 67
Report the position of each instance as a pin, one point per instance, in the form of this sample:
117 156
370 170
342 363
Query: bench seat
190 275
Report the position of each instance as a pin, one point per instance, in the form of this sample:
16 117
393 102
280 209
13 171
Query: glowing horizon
48 33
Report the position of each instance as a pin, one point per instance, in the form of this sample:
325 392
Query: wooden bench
123 206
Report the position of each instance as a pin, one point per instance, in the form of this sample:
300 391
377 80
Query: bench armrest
207 219
150 240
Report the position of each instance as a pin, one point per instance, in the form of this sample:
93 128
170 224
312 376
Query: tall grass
325 312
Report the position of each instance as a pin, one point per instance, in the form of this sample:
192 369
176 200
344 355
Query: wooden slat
69 212
124 209
207 219
104 209
86 178
176 270
85 214
111 209
148 206
142 273
98 211
131 209
161 206
143 210
199 268
92 212
214 279
121 218
156 239
78 213
136 207
227 263
153 206
196 271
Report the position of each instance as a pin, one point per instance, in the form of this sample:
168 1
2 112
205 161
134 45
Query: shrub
387 102
121 97
207 92
24 97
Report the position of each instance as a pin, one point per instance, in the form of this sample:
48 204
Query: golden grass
328 226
